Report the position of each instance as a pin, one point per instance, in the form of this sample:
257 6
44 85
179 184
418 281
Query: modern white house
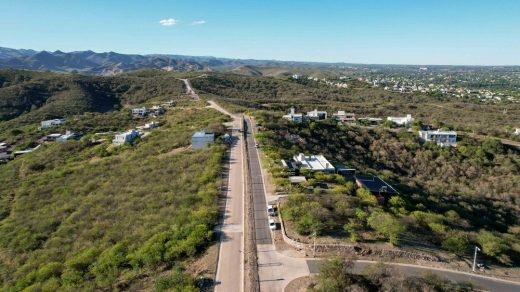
201 139
517 131
126 137
442 138
151 125
342 116
67 136
142 111
51 123
401 121
317 115
294 117
313 162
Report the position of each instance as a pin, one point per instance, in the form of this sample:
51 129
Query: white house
51 123
125 137
517 131
317 115
342 116
142 111
442 138
401 121
201 139
151 125
67 136
313 162
294 117
296 76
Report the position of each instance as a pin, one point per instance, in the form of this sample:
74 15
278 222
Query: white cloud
198 22
168 22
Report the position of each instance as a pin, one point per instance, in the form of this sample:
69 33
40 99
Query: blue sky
376 31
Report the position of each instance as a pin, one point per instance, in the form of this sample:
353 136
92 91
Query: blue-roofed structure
201 139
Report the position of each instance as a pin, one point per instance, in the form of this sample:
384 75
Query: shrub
386 225
455 242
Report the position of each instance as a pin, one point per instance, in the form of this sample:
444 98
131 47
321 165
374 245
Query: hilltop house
442 138
51 123
377 187
139 112
201 139
342 116
126 137
157 110
401 121
294 117
313 162
317 115
151 125
67 136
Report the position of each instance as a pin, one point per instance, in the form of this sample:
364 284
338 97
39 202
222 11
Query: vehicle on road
257 146
272 224
270 210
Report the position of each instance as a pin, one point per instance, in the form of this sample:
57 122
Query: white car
270 210
272 224
257 146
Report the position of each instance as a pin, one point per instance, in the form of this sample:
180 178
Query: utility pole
475 258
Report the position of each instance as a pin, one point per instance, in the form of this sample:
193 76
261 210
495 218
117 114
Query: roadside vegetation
336 274
450 198
85 216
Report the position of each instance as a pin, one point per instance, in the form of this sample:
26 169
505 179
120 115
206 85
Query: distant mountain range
111 63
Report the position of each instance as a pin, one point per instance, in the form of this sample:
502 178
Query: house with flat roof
313 162
201 139
51 123
317 115
67 136
157 110
139 112
377 187
294 117
401 121
342 116
125 137
442 138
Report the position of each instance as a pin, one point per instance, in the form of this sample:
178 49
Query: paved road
275 269
263 233
486 283
230 269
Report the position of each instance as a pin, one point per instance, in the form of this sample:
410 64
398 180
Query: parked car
270 210
257 146
272 224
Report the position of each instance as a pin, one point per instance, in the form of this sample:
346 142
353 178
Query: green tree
385 224
455 242
335 275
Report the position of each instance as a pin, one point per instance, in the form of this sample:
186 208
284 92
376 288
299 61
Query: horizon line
272 60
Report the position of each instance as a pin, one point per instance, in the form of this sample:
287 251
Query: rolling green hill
40 95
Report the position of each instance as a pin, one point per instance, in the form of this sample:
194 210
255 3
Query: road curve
479 281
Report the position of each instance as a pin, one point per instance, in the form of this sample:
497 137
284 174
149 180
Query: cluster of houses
442 138
154 111
318 163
